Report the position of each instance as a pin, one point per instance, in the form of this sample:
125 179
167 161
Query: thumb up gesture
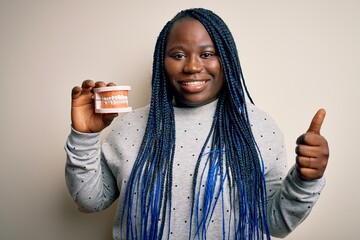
312 150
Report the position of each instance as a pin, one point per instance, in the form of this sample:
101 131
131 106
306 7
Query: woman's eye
207 55
178 56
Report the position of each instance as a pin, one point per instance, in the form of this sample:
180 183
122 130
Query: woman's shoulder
261 120
256 113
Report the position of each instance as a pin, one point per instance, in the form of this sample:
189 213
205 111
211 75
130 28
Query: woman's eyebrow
176 47
181 47
207 46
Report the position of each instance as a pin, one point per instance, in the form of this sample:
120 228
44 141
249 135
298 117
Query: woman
210 165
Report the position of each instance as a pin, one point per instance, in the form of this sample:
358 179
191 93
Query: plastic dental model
112 99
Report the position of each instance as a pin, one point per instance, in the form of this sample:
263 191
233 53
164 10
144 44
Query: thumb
317 121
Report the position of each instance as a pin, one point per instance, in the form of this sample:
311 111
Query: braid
147 201
232 133
233 158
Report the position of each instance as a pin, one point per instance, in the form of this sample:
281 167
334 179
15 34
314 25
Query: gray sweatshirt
97 173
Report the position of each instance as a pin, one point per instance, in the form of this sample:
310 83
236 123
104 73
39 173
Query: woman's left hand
312 150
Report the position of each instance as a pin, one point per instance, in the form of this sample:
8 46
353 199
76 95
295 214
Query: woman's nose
193 65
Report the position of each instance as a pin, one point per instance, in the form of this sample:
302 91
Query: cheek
218 74
219 78
166 66
218 85
170 73
215 68
170 68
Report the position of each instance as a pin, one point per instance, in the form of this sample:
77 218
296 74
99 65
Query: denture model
112 99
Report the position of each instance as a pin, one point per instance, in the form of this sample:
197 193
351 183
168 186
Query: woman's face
191 63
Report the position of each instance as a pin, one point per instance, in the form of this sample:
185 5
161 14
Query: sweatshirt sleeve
88 178
289 198
291 202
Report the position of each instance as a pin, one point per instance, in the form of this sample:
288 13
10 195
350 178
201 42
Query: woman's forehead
190 30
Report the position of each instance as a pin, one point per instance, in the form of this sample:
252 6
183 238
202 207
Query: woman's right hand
83 116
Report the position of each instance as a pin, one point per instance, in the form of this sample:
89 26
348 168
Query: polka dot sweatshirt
97 172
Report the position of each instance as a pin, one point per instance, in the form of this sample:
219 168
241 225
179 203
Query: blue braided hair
234 159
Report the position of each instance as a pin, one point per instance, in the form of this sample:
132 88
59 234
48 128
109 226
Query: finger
111 84
309 168
86 86
306 162
310 139
309 174
100 84
304 150
317 121
76 92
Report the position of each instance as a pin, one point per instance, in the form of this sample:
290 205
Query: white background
297 56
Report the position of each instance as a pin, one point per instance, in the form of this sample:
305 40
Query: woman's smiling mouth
193 83
193 86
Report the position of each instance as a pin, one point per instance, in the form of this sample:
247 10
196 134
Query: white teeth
193 83
114 100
